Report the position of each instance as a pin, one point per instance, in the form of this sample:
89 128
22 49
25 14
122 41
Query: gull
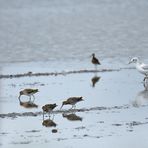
141 67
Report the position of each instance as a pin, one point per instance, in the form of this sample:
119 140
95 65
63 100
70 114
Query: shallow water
119 97
59 37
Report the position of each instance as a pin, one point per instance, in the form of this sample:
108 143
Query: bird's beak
19 97
61 107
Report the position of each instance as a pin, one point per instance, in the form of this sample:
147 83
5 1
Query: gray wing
144 66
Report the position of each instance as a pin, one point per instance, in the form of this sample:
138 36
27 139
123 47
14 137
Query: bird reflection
72 117
28 104
141 99
49 123
94 80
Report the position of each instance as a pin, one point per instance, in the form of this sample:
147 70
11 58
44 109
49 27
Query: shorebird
95 61
72 101
28 92
48 107
141 67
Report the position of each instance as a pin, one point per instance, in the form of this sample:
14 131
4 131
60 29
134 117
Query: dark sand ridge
102 108
30 74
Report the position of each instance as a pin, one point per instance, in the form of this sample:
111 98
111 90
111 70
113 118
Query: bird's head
55 105
21 93
134 60
35 90
64 103
93 55
80 98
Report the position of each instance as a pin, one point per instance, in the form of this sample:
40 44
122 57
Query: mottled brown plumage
48 107
28 104
94 80
28 92
94 60
72 101
49 123
72 117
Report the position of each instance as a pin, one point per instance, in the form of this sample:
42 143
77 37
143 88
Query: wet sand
112 114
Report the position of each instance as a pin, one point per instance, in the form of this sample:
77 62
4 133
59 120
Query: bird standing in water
95 61
28 92
48 108
72 101
141 67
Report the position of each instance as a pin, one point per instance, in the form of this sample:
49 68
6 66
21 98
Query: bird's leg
53 116
43 115
146 77
33 98
95 67
145 82
49 114
29 97
72 107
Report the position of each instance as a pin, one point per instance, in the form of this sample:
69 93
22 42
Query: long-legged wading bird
95 61
28 92
72 101
141 67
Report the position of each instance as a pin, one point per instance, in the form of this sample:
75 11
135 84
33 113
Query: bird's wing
29 90
144 66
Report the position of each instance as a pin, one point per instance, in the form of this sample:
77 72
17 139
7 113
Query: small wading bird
48 108
141 67
72 101
95 61
28 92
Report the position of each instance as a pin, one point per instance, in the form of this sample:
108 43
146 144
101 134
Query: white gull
141 67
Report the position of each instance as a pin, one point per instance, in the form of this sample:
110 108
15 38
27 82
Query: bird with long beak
95 61
28 92
72 101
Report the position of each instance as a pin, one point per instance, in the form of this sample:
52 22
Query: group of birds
141 67
47 108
